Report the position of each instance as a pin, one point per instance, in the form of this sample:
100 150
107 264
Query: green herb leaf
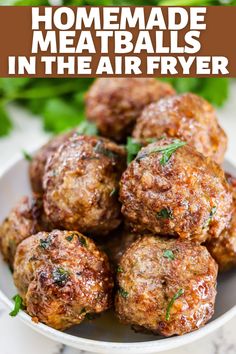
17 306
132 147
212 213
59 115
215 90
165 213
60 276
171 303
87 128
169 255
123 293
27 156
45 243
114 192
186 2
5 122
166 150
82 241
119 269
70 237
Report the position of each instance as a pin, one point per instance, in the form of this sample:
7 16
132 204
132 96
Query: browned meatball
223 248
172 189
80 185
62 276
115 104
37 165
166 286
188 117
24 220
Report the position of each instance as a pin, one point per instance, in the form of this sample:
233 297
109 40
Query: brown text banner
117 41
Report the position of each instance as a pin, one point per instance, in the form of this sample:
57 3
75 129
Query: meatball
223 249
188 117
37 165
172 189
166 286
80 185
24 220
114 104
62 276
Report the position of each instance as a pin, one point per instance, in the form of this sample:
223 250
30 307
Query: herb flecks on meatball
166 286
187 117
172 189
81 182
62 276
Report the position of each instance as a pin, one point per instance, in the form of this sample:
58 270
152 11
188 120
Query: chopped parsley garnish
100 149
165 213
17 306
114 192
171 303
70 237
132 147
169 254
82 241
212 213
87 128
27 156
123 293
45 244
60 276
119 269
166 150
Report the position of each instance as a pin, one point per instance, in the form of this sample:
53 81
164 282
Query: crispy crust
149 280
188 117
80 185
189 186
61 277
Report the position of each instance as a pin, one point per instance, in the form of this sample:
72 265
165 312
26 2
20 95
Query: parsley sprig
60 276
132 147
27 156
166 150
123 292
18 305
171 303
169 255
165 213
211 215
87 128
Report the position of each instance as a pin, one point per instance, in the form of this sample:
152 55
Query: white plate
106 334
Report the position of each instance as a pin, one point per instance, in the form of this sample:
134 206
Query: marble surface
17 338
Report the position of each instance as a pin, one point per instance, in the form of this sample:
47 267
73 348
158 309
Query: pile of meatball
144 237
